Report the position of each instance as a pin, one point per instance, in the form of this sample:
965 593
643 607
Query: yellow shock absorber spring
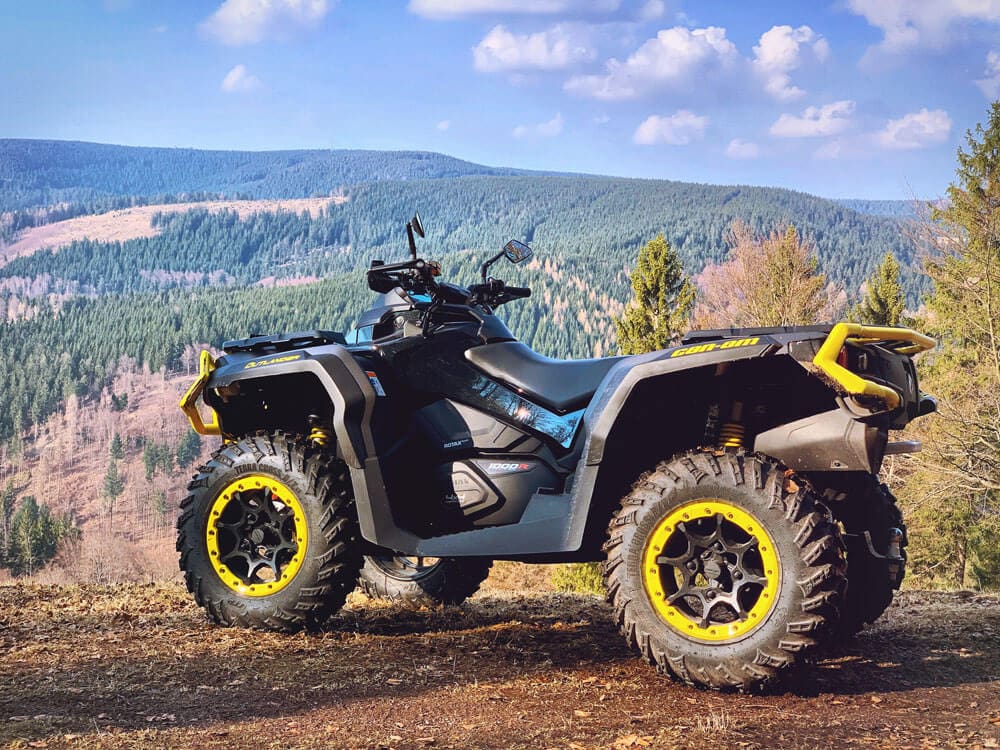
731 435
319 436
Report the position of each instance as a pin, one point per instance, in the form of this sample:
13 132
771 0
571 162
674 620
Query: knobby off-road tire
422 581
723 568
863 504
267 535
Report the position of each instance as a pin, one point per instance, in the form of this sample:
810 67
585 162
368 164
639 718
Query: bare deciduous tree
767 281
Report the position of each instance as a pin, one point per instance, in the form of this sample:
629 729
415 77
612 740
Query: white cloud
815 121
677 129
443 125
740 149
559 47
239 22
779 53
239 80
439 9
907 24
990 83
677 56
652 9
601 120
915 130
547 129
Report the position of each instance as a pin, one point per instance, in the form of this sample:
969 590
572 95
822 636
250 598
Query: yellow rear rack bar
189 403
826 357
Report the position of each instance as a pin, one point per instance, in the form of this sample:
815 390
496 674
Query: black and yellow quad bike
728 484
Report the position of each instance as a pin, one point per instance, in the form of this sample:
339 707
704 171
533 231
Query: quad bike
728 484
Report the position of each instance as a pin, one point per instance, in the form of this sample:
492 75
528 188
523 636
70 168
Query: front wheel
723 568
419 581
267 536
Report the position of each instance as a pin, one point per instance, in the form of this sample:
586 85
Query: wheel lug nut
737 575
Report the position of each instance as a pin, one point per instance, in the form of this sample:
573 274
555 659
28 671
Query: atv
728 484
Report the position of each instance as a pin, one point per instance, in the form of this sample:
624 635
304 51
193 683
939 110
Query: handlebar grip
517 291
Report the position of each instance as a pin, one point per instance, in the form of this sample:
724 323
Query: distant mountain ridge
47 172
40 173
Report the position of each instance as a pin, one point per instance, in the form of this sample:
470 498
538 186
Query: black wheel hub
256 536
718 572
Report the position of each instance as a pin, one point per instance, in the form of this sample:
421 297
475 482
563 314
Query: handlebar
417 275
409 274
494 292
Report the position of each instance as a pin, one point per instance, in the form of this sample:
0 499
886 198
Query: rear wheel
865 506
422 580
723 568
267 536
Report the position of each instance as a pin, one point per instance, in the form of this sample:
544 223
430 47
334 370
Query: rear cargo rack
714 334
898 340
283 342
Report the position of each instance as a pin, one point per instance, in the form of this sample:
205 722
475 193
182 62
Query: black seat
557 384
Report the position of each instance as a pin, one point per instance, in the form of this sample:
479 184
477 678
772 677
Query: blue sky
852 98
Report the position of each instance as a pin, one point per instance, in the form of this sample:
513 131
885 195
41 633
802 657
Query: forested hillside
466 206
602 219
44 173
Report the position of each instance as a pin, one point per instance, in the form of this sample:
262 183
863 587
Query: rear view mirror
417 226
516 251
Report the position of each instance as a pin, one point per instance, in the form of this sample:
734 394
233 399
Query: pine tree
662 301
7 500
35 537
117 447
150 459
188 449
882 304
956 486
114 483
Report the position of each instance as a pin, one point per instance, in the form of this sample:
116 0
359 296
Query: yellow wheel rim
256 535
711 571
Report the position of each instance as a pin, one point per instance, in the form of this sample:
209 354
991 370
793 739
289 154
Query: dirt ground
138 667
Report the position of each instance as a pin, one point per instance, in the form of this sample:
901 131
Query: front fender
346 386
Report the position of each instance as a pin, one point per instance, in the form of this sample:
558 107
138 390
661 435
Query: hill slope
42 173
